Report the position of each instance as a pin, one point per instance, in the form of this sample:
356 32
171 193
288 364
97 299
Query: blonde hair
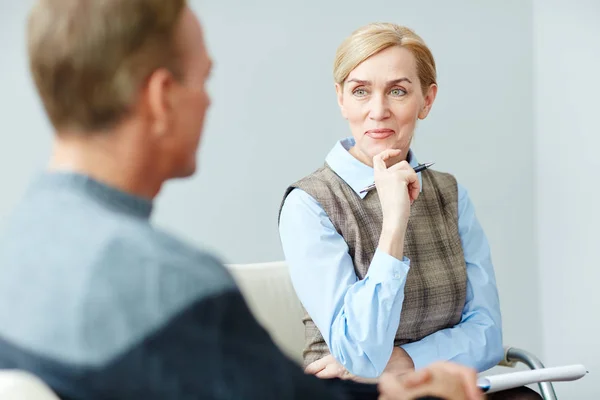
89 58
375 37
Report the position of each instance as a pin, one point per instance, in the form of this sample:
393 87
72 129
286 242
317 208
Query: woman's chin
376 148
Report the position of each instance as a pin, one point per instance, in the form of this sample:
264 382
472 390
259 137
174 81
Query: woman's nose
379 108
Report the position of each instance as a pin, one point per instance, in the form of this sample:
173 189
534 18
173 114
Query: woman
398 277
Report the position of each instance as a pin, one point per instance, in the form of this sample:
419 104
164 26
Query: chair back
268 290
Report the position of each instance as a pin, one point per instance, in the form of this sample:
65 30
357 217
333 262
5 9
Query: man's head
101 66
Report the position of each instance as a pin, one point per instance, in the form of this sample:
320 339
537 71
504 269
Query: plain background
567 138
514 121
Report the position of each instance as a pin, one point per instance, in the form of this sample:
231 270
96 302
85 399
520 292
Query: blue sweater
100 304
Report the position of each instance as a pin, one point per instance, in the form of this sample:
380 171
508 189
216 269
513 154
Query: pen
418 168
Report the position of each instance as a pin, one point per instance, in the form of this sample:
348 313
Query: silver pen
418 168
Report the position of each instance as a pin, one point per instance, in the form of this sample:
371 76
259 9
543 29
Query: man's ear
339 91
159 91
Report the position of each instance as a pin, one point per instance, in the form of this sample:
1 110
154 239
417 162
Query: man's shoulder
144 253
139 282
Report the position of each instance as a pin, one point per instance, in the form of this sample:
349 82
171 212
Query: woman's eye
397 92
359 92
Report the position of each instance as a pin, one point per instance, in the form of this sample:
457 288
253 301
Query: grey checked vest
434 295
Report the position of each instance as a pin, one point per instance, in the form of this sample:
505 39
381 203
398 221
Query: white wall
274 118
567 67
25 133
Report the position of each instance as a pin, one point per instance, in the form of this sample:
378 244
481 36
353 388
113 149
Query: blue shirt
359 318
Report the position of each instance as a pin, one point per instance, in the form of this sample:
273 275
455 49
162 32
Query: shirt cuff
385 267
420 354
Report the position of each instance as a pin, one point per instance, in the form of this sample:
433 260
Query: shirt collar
356 174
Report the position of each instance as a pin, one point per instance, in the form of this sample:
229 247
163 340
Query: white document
496 383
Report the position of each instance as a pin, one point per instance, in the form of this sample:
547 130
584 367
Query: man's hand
445 380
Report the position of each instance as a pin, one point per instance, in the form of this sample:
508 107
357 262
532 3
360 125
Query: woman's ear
339 91
428 103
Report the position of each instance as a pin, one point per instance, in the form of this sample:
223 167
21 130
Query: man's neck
107 161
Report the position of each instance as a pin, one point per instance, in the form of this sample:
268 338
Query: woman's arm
477 339
357 318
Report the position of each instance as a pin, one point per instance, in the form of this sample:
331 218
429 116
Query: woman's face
382 99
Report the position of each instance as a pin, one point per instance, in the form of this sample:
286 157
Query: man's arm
200 339
213 349
166 321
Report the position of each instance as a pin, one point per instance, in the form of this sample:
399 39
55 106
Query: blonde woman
398 277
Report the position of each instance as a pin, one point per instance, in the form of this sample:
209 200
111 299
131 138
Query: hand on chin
378 148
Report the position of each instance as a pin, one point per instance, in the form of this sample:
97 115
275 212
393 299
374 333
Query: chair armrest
506 361
513 355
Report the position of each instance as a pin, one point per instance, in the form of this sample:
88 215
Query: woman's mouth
380 133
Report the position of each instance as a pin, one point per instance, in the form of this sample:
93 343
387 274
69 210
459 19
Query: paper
496 383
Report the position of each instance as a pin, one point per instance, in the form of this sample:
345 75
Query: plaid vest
435 290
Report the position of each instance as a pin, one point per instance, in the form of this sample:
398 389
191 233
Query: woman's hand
398 187
328 368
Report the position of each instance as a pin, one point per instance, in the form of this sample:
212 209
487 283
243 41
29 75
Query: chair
269 292
513 355
21 385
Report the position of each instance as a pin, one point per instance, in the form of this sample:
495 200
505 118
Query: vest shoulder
321 182
441 177
322 177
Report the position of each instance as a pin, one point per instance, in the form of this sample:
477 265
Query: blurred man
95 300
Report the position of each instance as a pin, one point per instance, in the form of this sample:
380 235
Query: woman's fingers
379 161
331 371
317 366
